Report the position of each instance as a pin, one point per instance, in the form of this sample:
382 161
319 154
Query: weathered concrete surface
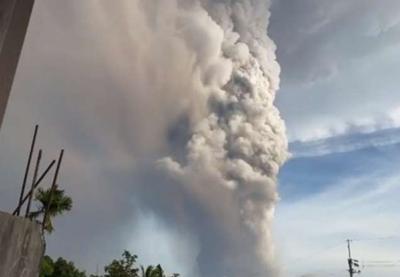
14 20
21 247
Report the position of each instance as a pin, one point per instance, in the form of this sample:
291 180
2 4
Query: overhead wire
365 263
379 263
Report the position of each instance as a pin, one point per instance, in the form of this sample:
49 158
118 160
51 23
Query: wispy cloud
345 143
339 64
312 230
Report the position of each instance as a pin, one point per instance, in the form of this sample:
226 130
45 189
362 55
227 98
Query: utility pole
352 262
14 20
349 260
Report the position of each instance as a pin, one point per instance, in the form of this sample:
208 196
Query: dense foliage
59 268
124 267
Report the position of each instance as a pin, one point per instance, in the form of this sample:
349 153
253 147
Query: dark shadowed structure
14 19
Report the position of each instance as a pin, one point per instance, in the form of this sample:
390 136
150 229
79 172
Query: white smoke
206 72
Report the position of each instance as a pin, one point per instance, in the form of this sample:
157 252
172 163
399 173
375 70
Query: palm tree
146 272
155 271
152 271
60 203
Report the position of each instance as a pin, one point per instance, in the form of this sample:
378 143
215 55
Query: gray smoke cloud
237 142
209 74
176 100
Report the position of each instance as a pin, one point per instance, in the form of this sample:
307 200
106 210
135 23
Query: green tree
125 267
63 268
59 268
46 267
60 203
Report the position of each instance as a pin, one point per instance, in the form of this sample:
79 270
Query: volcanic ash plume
202 77
237 138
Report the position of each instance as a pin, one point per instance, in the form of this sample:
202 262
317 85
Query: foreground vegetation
57 203
124 267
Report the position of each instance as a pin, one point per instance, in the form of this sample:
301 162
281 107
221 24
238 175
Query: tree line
57 203
126 266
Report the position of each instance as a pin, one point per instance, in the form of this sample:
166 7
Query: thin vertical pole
28 164
35 174
53 186
349 260
349 248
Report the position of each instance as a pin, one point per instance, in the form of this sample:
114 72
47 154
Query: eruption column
237 141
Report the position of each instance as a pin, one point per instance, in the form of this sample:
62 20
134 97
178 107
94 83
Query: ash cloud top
166 108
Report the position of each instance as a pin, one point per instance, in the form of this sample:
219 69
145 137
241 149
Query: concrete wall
21 247
14 20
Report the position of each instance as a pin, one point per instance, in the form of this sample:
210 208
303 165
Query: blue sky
333 195
340 100
339 97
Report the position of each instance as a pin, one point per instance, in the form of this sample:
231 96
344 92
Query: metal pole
37 166
53 186
28 164
349 260
37 184
349 248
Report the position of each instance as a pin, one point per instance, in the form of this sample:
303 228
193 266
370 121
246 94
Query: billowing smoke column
206 72
237 141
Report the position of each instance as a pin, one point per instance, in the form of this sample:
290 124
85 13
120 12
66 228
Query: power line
380 266
354 264
374 263
381 263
